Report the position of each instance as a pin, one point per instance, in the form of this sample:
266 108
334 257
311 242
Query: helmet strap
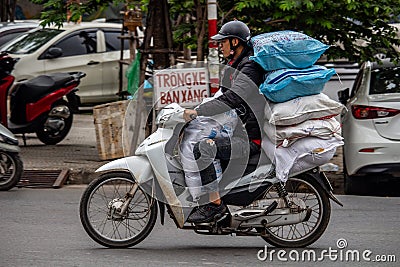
232 48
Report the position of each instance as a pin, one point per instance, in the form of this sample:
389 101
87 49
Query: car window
113 43
81 43
11 34
385 81
30 42
357 82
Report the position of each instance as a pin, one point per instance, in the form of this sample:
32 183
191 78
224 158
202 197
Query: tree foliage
356 30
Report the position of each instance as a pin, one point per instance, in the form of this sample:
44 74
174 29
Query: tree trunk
158 28
7 10
162 34
201 14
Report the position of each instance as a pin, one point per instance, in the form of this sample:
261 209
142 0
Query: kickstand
24 139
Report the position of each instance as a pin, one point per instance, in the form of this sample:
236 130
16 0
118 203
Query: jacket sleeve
227 101
244 86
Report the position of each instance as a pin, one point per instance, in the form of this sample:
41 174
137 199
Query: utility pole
213 60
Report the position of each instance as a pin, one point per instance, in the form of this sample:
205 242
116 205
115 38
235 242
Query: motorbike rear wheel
52 136
107 227
304 233
11 169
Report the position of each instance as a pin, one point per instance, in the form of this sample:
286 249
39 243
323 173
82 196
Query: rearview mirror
343 96
54 52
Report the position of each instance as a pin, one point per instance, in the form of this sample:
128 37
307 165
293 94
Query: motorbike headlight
161 119
165 114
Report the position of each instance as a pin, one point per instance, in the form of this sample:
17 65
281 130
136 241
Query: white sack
304 154
287 135
300 109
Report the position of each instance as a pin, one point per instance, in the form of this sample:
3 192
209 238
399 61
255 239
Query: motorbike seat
34 89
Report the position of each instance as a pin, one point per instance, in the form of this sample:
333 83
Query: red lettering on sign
184 96
162 98
175 96
166 81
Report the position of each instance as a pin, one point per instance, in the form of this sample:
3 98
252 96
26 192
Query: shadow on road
383 188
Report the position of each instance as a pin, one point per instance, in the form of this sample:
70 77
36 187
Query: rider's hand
189 114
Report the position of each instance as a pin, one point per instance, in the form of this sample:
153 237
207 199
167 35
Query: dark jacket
239 83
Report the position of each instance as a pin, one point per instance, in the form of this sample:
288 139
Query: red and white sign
186 87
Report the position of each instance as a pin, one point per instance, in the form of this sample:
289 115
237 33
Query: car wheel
355 185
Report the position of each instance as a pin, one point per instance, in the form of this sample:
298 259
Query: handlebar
77 74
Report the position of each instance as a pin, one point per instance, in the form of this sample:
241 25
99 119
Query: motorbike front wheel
11 169
56 128
100 216
304 233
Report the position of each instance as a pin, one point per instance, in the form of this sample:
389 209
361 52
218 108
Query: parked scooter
11 166
119 208
38 105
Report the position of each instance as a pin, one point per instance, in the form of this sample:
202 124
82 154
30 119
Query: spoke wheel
304 233
104 224
11 169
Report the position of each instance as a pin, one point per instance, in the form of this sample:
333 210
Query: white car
371 126
91 47
10 30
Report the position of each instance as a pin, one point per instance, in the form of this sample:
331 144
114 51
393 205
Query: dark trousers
225 149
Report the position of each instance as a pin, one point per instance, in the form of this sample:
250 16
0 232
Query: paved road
40 227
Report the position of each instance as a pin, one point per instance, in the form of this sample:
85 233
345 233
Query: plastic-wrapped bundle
286 49
286 84
201 128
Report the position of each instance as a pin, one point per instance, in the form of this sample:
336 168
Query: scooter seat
42 85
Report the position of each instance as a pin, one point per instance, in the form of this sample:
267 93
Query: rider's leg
205 152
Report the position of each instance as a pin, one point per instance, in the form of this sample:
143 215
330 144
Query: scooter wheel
11 169
54 136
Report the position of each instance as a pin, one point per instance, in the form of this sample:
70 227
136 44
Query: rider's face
224 47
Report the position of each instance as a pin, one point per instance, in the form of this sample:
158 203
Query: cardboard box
115 125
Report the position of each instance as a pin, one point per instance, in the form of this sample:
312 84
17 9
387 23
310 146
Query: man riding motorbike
239 83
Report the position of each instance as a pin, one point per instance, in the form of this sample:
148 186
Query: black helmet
233 29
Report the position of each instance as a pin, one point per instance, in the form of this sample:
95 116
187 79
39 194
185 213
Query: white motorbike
120 207
11 166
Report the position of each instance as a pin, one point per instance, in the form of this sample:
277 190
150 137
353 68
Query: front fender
138 166
9 148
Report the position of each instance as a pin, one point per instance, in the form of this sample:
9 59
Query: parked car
10 30
371 126
90 47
